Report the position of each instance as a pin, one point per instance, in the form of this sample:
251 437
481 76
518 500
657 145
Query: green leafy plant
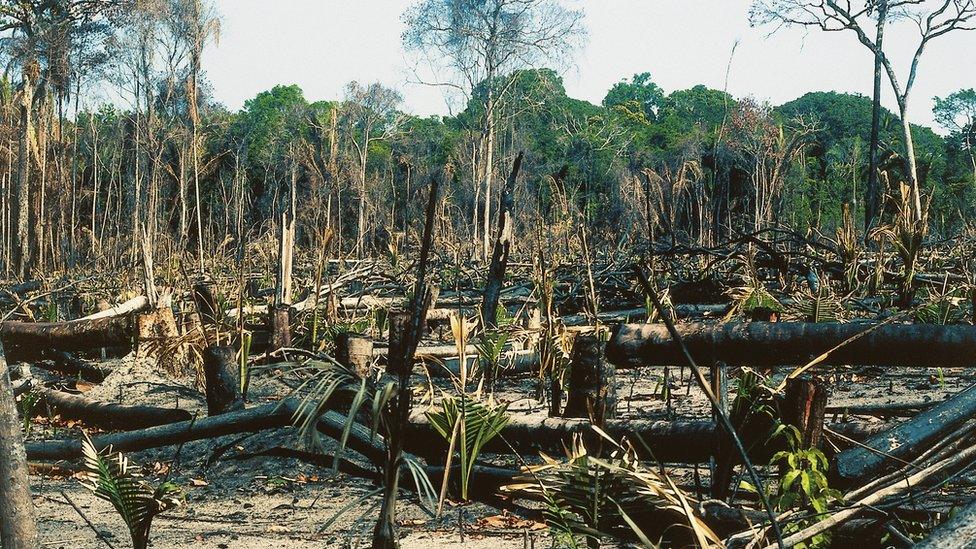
25 407
802 484
490 347
112 478
474 422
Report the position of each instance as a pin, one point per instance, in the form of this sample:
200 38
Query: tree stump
355 351
279 324
223 380
206 303
592 381
804 407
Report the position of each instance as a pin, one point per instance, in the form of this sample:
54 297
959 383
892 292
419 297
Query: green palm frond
480 423
111 478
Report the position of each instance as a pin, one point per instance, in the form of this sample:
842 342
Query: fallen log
247 421
958 531
24 341
71 365
678 441
908 439
783 343
108 415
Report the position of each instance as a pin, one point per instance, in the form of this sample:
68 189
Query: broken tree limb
137 304
109 415
761 344
18 528
910 438
592 389
29 340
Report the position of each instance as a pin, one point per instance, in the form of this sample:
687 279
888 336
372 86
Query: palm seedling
111 477
907 235
474 423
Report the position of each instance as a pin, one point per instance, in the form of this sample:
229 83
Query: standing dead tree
934 18
480 42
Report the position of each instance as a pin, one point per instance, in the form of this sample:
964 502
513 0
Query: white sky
323 44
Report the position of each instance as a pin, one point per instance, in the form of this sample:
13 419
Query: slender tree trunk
21 244
18 527
872 200
489 161
912 161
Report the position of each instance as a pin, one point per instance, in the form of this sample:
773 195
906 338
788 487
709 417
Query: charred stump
279 325
355 351
592 381
223 379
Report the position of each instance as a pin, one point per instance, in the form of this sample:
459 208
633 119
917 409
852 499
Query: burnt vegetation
677 318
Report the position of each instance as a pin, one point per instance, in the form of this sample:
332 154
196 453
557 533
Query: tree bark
502 249
18 526
763 344
592 382
910 438
223 380
30 340
872 201
109 415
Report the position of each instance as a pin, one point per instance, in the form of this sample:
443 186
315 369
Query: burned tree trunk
908 439
777 343
18 529
279 324
109 415
502 249
355 351
592 382
206 303
222 376
804 407
25 341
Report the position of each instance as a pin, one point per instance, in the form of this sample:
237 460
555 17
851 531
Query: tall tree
934 18
480 40
957 113
371 115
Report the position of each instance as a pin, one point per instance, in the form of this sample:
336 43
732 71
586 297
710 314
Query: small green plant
112 478
25 406
479 423
490 347
803 483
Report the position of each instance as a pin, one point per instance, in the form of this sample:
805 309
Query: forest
676 318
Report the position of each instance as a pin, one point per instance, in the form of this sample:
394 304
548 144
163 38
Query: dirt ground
235 499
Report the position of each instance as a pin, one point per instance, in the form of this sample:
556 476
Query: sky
321 45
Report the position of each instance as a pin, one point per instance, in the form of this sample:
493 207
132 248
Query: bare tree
371 115
479 41
934 18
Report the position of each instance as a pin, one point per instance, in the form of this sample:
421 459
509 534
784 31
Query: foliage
112 478
474 422
803 483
